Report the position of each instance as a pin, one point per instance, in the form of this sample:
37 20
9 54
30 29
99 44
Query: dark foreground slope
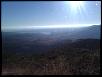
52 52
81 57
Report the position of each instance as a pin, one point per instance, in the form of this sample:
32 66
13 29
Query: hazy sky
44 13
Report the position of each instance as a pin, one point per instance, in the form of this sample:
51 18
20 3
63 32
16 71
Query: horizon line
48 27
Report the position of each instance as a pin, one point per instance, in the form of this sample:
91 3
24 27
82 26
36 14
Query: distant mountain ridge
75 33
51 36
40 41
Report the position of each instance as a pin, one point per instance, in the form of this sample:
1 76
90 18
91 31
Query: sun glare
76 4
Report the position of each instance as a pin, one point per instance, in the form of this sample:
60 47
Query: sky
38 14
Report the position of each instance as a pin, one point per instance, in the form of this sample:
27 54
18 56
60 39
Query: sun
76 4
75 7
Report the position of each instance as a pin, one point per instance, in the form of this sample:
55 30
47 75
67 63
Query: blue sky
44 13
